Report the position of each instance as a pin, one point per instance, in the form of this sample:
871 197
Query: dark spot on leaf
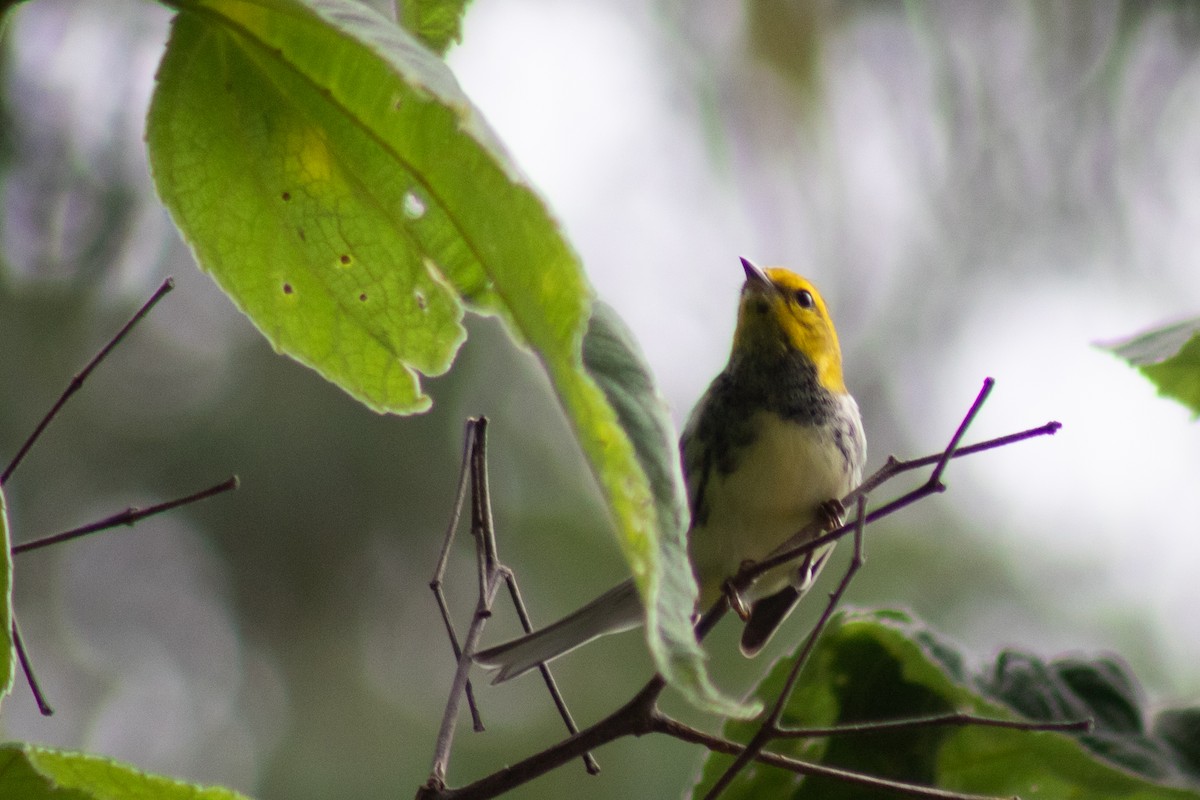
287 288
345 259
420 300
300 231
286 196
363 297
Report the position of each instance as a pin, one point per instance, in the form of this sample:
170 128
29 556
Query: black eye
804 298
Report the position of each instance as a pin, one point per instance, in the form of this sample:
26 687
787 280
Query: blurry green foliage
437 23
38 773
1170 358
7 660
876 666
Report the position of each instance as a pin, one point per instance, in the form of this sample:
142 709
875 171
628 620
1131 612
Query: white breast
778 483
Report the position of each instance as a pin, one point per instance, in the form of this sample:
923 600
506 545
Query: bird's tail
618 609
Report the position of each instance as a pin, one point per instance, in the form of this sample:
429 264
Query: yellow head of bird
780 310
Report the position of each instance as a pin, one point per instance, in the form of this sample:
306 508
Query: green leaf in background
872 666
331 176
38 773
1169 357
7 666
437 23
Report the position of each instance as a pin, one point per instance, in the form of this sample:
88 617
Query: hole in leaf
414 206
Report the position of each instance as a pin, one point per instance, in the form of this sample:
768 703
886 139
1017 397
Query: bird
771 446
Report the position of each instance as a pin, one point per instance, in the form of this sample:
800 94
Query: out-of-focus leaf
38 773
437 23
1169 357
883 665
331 176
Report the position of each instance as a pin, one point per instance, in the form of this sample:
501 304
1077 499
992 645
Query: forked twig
439 573
766 731
490 572
127 517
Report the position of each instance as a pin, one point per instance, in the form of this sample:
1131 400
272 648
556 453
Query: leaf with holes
331 176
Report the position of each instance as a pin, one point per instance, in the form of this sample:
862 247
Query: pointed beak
755 277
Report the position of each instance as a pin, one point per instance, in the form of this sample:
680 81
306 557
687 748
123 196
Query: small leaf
1170 358
437 23
7 666
38 773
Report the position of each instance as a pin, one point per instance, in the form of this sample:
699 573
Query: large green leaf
331 176
39 773
614 360
1169 357
7 665
883 665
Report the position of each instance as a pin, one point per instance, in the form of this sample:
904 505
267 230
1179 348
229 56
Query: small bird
772 445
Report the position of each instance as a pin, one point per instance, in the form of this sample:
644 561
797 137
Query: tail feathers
618 609
766 615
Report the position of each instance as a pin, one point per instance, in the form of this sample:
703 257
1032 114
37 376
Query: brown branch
77 382
490 572
23 657
952 719
129 516
686 733
766 731
439 572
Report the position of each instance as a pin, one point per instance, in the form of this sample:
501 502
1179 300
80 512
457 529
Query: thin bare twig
38 696
439 572
686 733
490 572
766 731
128 517
807 539
77 381
952 719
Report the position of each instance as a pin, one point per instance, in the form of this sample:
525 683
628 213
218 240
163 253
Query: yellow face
780 309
